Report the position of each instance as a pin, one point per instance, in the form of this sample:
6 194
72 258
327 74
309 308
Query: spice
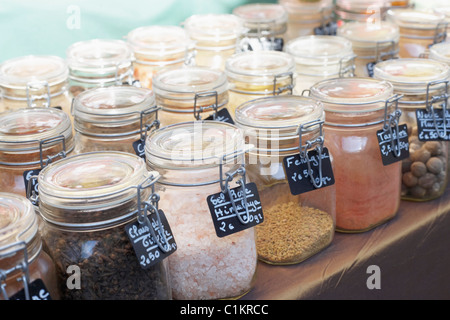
292 232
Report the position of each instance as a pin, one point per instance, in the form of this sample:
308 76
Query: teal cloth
49 27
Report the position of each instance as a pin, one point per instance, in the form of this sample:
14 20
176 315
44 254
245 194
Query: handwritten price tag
385 143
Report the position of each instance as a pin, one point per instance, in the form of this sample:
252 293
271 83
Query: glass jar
423 84
192 157
256 74
419 29
99 63
85 202
440 52
27 272
320 57
34 81
215 37
371 43
265 24
113 118
189 93
30 138
363 10
367 191
307 17
158 47
296 226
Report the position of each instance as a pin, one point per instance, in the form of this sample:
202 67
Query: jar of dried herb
26 271
367 189
424 86
203 176
256 74
299 205
86 202
115 118
30 139
189 93
99 63
157 47
34 81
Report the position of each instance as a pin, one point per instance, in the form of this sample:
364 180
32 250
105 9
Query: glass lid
18 72
440 52
261 13
214 27
415 18
363 34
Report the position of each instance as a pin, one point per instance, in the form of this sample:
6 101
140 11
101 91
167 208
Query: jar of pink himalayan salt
201 186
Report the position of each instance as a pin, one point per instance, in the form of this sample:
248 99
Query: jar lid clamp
23 266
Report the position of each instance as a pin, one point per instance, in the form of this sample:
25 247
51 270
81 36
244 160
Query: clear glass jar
305 16
265 24
158 47
113 118
188 155
320 57
296 226
425 172
99 63
31 138
419 29
215 36
364 10
440 52
27 272
34 81
257 74
367 191
371 43
85 202
189 93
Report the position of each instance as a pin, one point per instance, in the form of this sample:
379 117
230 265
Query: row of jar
274 186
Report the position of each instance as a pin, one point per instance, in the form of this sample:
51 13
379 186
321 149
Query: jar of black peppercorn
88 202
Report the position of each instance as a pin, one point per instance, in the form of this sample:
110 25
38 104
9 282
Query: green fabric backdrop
49 27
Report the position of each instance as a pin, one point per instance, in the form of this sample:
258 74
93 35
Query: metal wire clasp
22 266
214 106
435 99
150 206
289 87
146 127
38 86
392 120
308 145
225 188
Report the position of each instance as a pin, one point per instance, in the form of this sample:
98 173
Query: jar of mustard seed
299 204
367 191
308 18
202 164
371 43
424 86
34 81
116 118
190 93
99 63
256 74
157 47
30 139
215 36
320 57
96 208
26 271
265 24
419 29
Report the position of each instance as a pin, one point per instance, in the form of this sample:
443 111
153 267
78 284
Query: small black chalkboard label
139 148
37 290
370 67
225 219
222 115
385 142
330 29
27 175
296 169
145 245
426 125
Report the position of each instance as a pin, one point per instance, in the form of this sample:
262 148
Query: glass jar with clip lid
202 164
424 86
26 271
103 227
116 118
293 172
30 139
360 116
